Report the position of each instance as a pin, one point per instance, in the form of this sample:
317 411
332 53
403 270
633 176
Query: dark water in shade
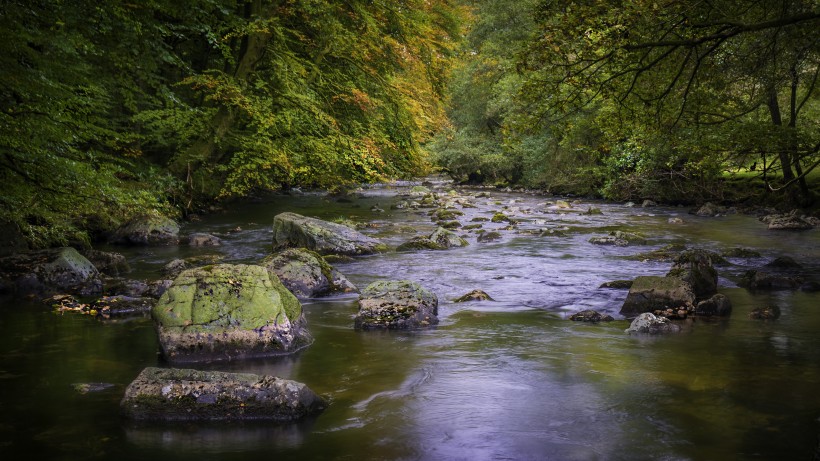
510 379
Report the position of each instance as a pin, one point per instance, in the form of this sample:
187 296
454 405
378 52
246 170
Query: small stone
475 295
765 313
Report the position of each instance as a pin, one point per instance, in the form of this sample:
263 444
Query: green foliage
109 109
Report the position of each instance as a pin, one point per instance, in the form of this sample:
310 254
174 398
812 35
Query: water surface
509 379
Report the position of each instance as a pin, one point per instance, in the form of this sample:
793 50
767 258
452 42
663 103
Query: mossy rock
396 305
306 274
475 295
153 230
695 268
225 312
419 243
490 236
590 316
291 230
500 217
446 215
738 252
650 293
441 239
171 394
666 253
46 272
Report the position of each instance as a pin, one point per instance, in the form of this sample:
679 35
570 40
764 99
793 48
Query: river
510 379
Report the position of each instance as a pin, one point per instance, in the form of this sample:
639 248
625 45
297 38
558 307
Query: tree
687 68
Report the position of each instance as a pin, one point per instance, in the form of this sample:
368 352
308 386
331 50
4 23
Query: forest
113 109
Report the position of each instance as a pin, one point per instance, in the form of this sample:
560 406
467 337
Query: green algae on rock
225 312
306 274
169 394
291 230
396 305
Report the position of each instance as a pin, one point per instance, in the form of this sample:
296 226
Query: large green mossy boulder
306 274
651 293
170 394
396 305
225 312
150 230
291 230
46 272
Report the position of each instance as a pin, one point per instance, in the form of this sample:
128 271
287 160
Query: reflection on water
510 379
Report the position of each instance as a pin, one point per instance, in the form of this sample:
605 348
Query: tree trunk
785 158
794 153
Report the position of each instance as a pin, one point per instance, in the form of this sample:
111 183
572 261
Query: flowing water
507 379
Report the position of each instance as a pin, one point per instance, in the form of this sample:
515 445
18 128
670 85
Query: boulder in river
475 295
396 305
760 280
788 221
490 236
718 305
291 230
591 316
441 239
108 263
306 274
651 293
695 268
225 312
647 323
172 394
200 239
710 209
619 238
151 230
45 272
617 284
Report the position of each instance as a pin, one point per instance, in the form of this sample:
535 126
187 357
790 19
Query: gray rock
647 323
648 203
108 263
306 274
475 295
718 305
169 394
148 230
226 312
200 239
291 230
787 221
45 272
784 262
396 305
619 238
710 209
590 316
447 239
760 280
695 268
650 293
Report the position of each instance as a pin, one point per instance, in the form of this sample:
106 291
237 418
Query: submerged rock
203 240
148 230
396 305
45 272
666 253
590 316
306 274
738 252
169 394
617 284
650 293
291 230
647 323
226 312
619 238
765 313
475 295
117 306
784 262
490 236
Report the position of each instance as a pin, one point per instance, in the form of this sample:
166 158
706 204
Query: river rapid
506 379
